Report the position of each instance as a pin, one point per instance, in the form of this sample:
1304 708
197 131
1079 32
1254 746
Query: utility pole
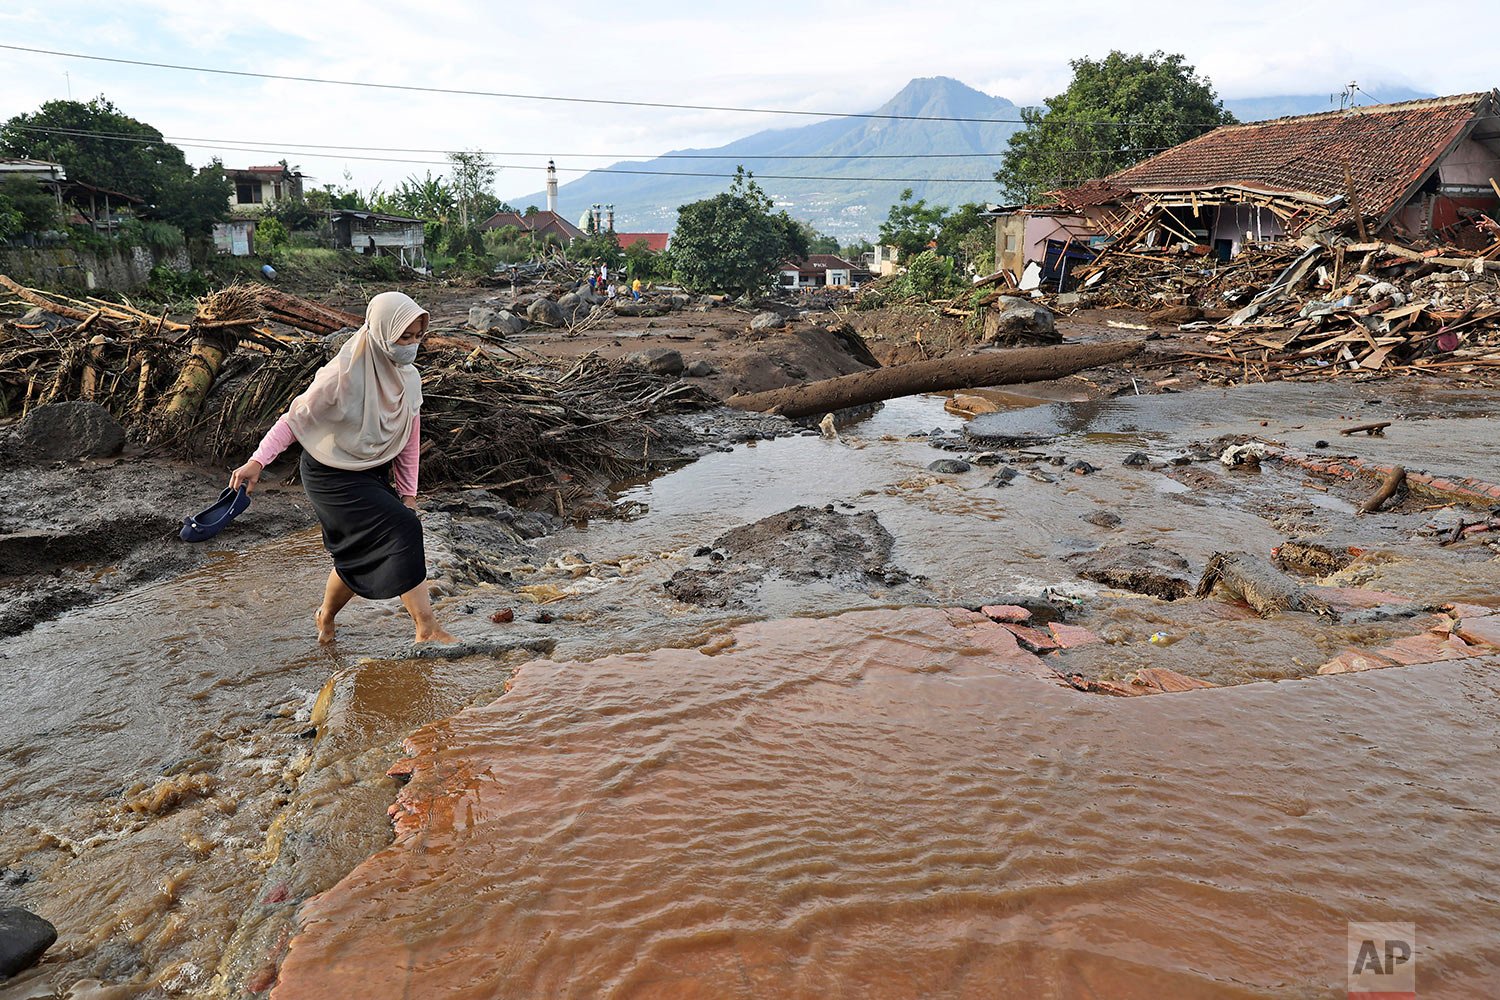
70 84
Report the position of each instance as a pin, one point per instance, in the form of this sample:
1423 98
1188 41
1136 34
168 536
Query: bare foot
434 633
325 626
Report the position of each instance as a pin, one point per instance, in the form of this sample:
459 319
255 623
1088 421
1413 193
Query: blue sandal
208 522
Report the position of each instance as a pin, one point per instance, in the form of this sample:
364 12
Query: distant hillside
843 207
1254 109
834 204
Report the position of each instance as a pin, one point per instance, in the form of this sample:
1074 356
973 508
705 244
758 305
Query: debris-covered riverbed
751 734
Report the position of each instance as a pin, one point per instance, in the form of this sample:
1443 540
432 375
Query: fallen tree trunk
1023 364
1394 480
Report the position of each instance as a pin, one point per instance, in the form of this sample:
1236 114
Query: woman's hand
410 502
246 475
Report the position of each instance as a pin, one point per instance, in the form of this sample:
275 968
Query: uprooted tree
734 241
1117 111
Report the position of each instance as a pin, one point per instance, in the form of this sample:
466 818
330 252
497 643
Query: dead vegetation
208 388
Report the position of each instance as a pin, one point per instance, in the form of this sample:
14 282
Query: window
1010 242
276 191
840 278
247 192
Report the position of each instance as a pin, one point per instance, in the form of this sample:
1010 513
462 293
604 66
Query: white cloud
815 55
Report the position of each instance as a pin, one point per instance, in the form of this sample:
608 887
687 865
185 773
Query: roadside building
1417 170
655 242
820 270
380 235
539 223
255 189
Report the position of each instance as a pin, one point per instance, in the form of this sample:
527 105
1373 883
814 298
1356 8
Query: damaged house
1414 172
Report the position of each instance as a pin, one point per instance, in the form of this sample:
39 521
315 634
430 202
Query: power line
576 170
312 149
555 98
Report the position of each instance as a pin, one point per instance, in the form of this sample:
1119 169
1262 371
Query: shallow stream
833 799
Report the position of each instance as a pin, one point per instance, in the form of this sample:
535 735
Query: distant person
635 289
604 273
359 425
609 293
593 281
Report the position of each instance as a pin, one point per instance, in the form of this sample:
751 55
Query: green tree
97 144
196 201
968 237
1117 111
26 207
603 248
428 197
854 251
733 241
270 236
642 262
911 225
818 242
472 176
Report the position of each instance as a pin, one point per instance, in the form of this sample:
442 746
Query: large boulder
574 307
1020 321
1139 566
657 360
768 321
545 312
24 936
629 307
67 431
502 321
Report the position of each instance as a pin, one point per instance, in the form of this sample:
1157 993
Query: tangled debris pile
208 389
1292 309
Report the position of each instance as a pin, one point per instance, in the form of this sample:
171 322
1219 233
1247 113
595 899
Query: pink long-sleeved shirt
403 468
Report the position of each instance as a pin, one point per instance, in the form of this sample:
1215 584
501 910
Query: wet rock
501 321
545 312
949 466
1020 321
1082 468
24 936
1140 567
1012 613
573 306
679 301
1137 459
701 369
1103 519
803 544
67 431
1033 640
657 360
768 321
1301 555
1161 680
1003 477
629 307
1320 444
987 458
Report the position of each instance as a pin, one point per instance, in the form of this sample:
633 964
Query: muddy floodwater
810 788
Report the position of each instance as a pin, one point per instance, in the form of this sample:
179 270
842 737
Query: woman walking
359 424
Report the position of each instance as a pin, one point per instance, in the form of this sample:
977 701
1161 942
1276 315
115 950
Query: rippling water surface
886 804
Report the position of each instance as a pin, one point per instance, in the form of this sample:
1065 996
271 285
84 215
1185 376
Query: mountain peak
944 97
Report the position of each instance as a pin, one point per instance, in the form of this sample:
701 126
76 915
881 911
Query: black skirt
374 538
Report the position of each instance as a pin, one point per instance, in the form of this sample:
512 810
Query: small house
257 188
380 235
655 242
820 270
1417 170
540 223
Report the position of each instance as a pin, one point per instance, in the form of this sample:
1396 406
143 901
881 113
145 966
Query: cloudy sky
809 55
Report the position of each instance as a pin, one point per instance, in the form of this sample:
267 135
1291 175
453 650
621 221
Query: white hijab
358 412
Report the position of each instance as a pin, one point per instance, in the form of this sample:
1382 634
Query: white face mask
404 354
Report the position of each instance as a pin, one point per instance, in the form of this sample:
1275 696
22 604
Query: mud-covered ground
190 767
